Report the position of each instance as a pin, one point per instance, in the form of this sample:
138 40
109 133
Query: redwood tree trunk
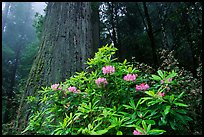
70 36
150 34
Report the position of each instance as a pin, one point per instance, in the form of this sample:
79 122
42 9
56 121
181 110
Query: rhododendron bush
110 98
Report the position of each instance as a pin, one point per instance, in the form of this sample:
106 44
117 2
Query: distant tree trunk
111 7
185 18
119 51
162 17
10 93
70 36
150 34
5 14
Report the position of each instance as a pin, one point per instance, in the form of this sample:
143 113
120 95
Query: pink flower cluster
129 77
108 70
161 94
55 87
142 86
136 132
101 80
169 79
72 89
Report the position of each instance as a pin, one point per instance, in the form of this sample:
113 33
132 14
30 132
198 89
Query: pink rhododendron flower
138 88
101 80
136 132
161 94
54 86
129 77
142 86
169 79
72 89
108 70
59 88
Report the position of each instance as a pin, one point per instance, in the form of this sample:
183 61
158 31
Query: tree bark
70 36
150 34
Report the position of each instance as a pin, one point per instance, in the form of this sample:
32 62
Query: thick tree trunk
70 36
150 34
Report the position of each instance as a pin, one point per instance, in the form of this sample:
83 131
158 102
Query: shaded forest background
143 32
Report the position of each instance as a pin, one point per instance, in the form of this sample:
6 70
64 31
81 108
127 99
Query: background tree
18 26
68 39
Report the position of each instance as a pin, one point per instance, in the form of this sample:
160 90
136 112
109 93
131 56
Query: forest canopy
123 68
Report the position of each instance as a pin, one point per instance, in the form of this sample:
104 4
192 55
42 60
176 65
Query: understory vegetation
114 98
146 80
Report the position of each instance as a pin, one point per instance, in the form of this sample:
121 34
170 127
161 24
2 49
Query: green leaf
171 98
150 93
127 107
167 109
156 132
119 133
160 73
139 121
129 122
180 95
59 132
163 121
130 69
144 99
152 122
152 102
132 103
148 128
90 126
181 104
155 77
144 125
172 124
139 128
138 103
130 125
182 111
111 126
27 128
171 75
125 61
101 132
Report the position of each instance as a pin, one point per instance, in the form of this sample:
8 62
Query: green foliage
38 24
116 108
191 86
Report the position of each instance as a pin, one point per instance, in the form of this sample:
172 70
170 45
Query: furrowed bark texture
70 36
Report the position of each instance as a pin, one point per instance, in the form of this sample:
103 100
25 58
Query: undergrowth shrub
190 85
111 98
